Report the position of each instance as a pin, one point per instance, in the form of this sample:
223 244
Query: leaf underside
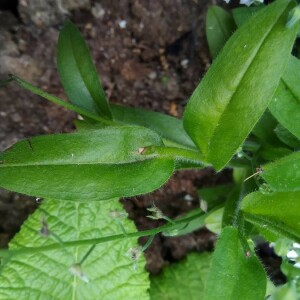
46 275
182 280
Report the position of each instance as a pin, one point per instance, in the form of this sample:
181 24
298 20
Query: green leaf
169 128
219 27
213 221
182 280
46 275
240 84
234 275
264 131
242 14
285 105
283 174
78 73
86 166
276 212
287 137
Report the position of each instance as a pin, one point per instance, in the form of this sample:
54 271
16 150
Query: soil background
150 54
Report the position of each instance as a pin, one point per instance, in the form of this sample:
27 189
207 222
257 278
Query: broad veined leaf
285 105
234 93
283 174
86 166
182 280
45 275
219 27
277 212
234 274
78 73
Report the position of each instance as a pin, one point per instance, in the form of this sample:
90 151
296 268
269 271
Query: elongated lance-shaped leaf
86 166
182 280
284 173
219 27
78 73
169 128
240 84
285 105
277 213
107 273
235 272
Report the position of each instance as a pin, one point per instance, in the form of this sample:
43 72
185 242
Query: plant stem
149 242
177 152
28 86
87 254
96 241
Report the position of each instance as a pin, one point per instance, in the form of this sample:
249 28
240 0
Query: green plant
242 115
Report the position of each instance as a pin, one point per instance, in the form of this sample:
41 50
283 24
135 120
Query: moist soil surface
150 54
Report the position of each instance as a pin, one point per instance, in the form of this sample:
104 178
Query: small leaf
283 217
87 166
46 275
283 174
285 105
219 27
234 275
182 280
78 73
240 84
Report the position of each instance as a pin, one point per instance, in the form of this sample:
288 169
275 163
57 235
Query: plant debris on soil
149 54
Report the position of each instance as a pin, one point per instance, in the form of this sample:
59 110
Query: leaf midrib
79 163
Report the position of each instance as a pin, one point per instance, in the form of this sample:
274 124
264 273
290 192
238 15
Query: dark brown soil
150 54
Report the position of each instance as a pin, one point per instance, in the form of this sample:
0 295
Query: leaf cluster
244 115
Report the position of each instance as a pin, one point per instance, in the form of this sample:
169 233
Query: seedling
243 115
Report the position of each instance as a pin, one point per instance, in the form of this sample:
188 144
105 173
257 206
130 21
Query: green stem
149 242
87 254
96 241
5 82
176 152
121 226
28 86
